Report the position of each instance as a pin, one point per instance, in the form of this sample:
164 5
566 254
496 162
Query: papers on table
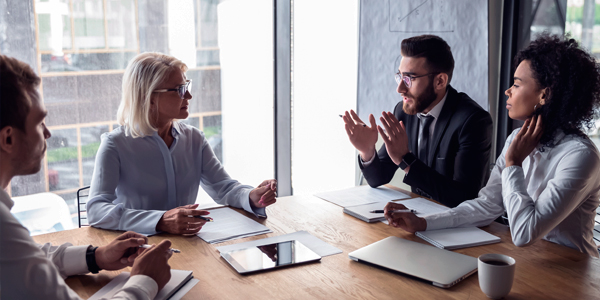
312 242
361 195
422 206
181 282
228 225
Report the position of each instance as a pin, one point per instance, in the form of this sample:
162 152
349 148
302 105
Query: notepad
456 238
422 206
179 278
228 225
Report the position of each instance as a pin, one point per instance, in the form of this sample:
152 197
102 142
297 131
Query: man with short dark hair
439 137
31 271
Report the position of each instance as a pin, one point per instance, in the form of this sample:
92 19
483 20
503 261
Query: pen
364 125
380 211
146 246
207 219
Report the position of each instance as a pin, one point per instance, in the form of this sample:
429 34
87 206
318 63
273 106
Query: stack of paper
456 238
422 206
228 225
362 195
181 282
312 242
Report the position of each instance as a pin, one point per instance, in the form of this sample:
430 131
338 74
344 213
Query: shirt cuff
513 179
439 221
257 211
367 163
148 227
74 262
140 284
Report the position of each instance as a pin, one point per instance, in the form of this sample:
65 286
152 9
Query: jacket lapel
442 123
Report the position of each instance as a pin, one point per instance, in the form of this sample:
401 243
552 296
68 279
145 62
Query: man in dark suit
439 137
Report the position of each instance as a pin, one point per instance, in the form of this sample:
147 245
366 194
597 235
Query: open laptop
442 268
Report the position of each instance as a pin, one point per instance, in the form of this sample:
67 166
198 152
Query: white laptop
442 268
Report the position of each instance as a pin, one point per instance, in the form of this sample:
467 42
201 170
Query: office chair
82 198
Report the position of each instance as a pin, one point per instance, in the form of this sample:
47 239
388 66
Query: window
80 48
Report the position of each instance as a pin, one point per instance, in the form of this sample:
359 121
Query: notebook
456 238
440 267
422 206
178 279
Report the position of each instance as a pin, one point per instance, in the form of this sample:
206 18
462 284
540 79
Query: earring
534 107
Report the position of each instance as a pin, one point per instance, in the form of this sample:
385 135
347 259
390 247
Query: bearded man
439 137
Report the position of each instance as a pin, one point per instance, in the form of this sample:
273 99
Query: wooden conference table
544 270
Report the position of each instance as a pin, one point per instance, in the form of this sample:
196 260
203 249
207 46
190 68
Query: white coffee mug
496 273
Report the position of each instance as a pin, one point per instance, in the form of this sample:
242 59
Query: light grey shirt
554 196
32 271
136 180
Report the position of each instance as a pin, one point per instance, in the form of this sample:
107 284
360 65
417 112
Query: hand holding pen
406 219
362 137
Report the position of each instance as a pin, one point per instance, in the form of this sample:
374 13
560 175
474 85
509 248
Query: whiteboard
383 24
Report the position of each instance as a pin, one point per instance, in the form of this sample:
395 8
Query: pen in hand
146 246
380 211
364 125
207 219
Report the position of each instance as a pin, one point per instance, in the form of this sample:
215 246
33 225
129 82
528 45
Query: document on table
228 225
312 242
181 282
361 195
423 207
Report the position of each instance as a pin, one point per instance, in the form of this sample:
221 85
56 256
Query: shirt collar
436 110
5 199
176 128
558 137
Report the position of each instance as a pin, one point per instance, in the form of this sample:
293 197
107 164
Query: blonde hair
142 76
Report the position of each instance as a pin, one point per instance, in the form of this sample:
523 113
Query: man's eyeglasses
408 79
181 90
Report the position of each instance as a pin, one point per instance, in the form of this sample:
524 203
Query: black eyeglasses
408 79
181 90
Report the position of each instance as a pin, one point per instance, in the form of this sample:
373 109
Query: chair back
597 228
82 198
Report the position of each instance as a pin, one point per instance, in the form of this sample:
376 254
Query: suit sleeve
470 165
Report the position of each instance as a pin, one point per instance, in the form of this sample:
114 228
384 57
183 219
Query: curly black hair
573 79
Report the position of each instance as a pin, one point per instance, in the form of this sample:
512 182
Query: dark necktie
424 138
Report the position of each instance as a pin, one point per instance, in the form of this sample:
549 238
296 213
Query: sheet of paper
361 195
229 224
177 276
423 206
312 242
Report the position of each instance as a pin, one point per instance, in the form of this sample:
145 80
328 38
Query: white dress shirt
32 271
136 180
434 112
554 196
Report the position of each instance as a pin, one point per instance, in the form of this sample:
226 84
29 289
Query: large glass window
82 48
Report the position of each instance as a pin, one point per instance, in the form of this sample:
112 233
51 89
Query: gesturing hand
180 220
153 262
396 140
121 252
264 194
405 220
525 141
362 137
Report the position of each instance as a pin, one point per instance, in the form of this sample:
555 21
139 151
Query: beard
420 102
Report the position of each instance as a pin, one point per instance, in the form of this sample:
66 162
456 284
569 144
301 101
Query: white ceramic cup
496 273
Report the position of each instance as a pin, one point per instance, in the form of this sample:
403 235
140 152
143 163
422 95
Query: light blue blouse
136 180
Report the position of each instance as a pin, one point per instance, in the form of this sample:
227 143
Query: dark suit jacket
459 153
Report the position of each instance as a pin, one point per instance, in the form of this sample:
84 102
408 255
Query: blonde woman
148 170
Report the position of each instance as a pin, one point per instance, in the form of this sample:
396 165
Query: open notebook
456 238
178 279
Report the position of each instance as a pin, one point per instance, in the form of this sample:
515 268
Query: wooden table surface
544 270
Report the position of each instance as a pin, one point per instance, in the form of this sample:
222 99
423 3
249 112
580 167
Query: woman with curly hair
547 178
